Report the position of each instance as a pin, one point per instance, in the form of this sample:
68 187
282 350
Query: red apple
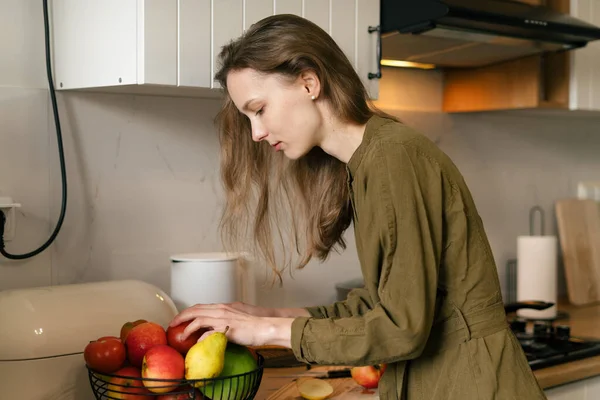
368 376
128 326
182 393
108 337
128 385
141 339
253 352
106 355
174 334
162 362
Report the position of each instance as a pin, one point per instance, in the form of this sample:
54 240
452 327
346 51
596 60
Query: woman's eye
260 111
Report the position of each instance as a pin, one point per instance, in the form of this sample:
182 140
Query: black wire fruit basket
235 387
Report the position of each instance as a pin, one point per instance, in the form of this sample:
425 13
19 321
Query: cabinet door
348 22
343 27
86 53
228 23
571 391
157 42
195 59
585 84
318 11
367 57
288 7
255 10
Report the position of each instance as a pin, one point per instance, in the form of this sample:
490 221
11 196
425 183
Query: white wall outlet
8 207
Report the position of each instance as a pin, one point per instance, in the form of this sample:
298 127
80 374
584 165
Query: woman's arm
269 312
358 302
290 312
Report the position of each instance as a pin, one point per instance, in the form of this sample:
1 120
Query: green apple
238 360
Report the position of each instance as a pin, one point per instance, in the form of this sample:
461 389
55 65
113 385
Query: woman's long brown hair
303 203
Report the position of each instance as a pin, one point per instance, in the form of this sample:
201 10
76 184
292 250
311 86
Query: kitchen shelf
554 82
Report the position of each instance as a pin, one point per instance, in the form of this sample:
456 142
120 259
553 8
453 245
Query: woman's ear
311 84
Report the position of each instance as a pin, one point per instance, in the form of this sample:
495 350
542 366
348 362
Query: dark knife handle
341 373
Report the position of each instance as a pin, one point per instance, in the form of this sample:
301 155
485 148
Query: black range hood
471 33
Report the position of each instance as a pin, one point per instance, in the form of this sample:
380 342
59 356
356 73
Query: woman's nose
258 133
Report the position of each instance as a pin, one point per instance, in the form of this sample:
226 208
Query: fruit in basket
141 339
253 352
314 389
182 393
205 359
106 355
238 360
174 337
162 362
127 386
100 377
108 337
128 326
368 376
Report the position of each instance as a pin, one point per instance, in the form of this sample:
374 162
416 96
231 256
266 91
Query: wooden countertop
584 322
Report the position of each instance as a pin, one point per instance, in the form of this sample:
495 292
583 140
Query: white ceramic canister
209 278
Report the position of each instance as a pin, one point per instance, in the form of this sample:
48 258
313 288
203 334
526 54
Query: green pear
205 359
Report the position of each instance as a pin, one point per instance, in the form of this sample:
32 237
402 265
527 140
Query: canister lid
61 320
206 257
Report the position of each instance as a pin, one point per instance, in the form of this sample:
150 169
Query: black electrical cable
61 154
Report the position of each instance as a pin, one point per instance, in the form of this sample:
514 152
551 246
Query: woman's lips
277 146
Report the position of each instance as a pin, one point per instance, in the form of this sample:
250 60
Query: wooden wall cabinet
567 81
171 46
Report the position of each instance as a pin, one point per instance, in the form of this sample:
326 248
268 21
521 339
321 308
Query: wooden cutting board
579 233
344 388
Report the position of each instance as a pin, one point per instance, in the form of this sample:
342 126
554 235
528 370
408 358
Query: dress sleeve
358 302
401 217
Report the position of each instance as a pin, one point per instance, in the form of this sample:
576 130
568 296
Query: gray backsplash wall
144 184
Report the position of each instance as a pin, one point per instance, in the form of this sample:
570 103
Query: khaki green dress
431 307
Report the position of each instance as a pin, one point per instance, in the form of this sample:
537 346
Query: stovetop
550 344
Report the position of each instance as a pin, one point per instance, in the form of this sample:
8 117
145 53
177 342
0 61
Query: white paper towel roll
536 273
205 278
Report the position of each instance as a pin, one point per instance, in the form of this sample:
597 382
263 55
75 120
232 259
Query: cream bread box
44 330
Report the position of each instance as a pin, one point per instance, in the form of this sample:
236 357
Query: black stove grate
543 352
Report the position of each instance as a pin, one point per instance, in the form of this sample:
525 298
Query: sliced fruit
315 389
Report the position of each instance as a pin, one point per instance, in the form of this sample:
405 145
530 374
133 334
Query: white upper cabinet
255 10
195 56
114 43
348 23
584 91
289 7
228 23
172 46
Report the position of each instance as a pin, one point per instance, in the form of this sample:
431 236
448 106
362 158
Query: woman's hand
269 312
244 328
253 310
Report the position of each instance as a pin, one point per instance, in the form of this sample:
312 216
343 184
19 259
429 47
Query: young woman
297 126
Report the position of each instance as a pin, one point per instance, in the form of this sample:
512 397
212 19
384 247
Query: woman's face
281 111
